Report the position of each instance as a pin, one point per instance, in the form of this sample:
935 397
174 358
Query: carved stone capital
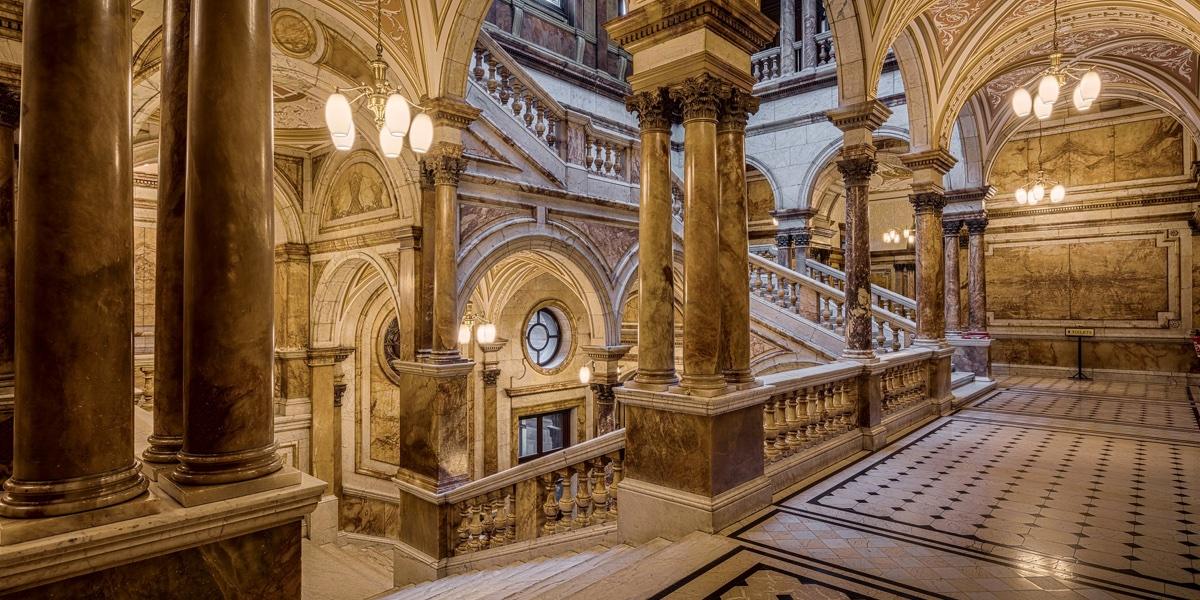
951 228
491 376
444 164
603 393
783 240
653 109
927 203
700 97
976 226
735 111
857 169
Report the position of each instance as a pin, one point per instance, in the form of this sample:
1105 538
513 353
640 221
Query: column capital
857 165
951 227
653 108
927 203
867 115
735 111
700 97
976 225
328 356
444 164
491 377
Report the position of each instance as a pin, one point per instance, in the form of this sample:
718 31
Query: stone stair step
653 573
601 557
613 563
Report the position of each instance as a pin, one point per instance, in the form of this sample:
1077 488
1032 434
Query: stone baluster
505 87
566 500
583 496
599 491
530 103
478 71
618 473
813 412
493 82
794 424
517 105
769 431
550 510
781 426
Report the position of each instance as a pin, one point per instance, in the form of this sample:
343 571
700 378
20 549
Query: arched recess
340 288
478 258
329 183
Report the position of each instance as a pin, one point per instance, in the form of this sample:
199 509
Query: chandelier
1050 82
391 109
892 236
1035 191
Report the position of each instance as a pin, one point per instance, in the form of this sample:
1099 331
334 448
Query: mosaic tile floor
1041 490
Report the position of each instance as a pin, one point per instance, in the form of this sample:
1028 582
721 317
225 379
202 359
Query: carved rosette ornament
735 111
653 109
928 203
700 97
444 165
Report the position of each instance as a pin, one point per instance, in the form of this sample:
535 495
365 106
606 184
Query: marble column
857 166
326 452
930 297
606 375
950 231
699 98
656 295
787 36
10 109
229 257
74 266
491 378
808 33
734 238
167 437
445 163
976 278
784 250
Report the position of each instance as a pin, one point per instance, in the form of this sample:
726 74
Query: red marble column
656 295
857 165
976 278
229 259
950 231
10 109
931 317
734 237
74 265
167 438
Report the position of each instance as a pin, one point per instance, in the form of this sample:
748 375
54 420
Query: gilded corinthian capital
653 109
444 164
928 202
736 110
700 97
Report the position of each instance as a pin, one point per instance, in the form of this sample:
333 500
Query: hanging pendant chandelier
1035 191
892 236
393 116
1051 81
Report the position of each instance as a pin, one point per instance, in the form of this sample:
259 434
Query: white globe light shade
1022 102
1022 196
886 237
389 144
396 116
339 118
1057 193
585 374
344 142
1037 193
1089 86
420 135
486 333
1081 104
1048 89
464 334
1042 109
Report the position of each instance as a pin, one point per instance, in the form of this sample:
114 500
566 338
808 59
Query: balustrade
802 417
765 65
824 49
903 385
497 73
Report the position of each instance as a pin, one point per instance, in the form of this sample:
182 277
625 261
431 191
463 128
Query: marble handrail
824 304
499 74
810 406
880 296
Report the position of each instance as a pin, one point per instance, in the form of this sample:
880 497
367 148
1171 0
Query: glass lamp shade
339 118
1022 102
420 135
1081 104
1057 193
1089 86
585 374
389 143
911 238
1048 89
886 238
1022 196
1042 109
486 333
1037 193
464 334
344 142
396 116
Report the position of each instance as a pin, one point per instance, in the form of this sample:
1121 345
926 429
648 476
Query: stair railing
506 82
880 296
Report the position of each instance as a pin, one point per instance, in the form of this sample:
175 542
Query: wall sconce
585 373
485 331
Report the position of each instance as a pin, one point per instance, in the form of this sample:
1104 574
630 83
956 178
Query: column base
701 385
654 380
232 467
32 499
163 449
16 531
443 357
741 379
649 511
194 495
859 355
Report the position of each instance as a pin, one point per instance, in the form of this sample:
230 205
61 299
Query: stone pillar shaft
787 36
9 114
931 317
808 33
950 248
229 258
699 98
656 296
976 277
491 377
446 165
74 266
167 438
856 168
734 237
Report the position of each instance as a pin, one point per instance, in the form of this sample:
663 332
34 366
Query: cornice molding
867 115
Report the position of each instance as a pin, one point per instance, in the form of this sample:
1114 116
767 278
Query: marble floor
1042 489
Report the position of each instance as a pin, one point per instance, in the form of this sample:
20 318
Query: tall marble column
656 296
733 266
10 110
446 164
784 250
976 278
930 297
491 379
229 259
74 266
167 437
857 166
787 36
699 98
950 231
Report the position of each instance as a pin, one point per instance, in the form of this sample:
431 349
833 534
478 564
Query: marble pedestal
973 355
939 371
195 495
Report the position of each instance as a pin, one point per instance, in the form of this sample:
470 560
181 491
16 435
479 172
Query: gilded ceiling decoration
1177 60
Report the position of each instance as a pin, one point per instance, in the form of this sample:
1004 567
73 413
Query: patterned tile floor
1040 490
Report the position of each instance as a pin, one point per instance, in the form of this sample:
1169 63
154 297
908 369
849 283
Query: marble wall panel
144 248
760 198
1166 356
1029 282
369 516
264 565
385 417
548 35
691 453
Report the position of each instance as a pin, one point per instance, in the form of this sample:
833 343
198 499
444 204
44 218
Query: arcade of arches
682 299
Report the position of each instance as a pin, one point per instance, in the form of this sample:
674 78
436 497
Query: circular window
543 338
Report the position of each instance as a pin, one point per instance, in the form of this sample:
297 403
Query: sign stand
1079 333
